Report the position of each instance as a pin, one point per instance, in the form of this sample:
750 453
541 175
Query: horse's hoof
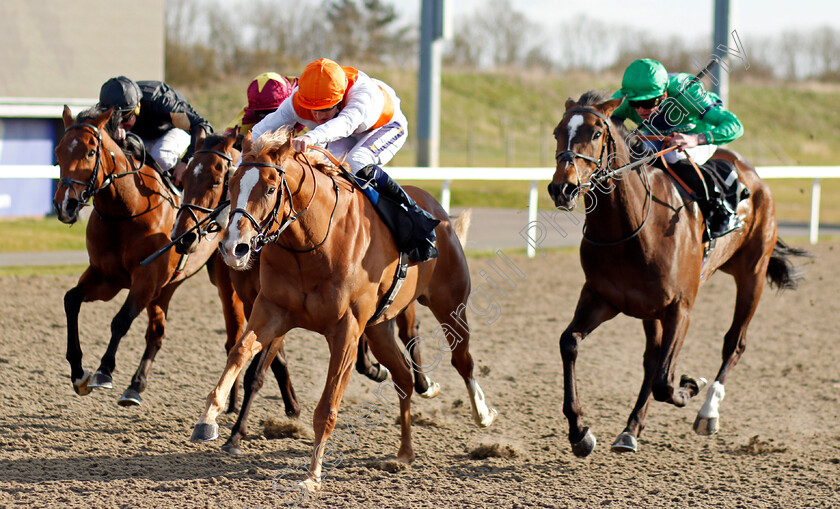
204 432
432 391
232 410
585 446
82 385
487 420
232 450
625 443
382 373
129 398
293 412
694 385
101 380
706 425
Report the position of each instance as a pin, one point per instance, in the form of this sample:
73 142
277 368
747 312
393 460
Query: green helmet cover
644 79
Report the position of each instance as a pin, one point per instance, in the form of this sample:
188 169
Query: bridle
213 225
603 172
265 235
90 189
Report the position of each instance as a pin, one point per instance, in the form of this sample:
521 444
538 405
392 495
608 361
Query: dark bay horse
205 210
643 255
133 213
330 263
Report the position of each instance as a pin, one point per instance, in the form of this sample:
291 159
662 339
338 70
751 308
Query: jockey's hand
178 172
301 143
119 135
684 141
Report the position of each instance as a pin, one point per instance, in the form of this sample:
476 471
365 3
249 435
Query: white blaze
246 185
574 122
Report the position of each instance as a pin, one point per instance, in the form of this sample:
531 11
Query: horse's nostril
241 250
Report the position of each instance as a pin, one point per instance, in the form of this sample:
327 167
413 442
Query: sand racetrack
779 443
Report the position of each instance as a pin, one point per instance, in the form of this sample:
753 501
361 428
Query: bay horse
133 213
204 210
330 262
642 254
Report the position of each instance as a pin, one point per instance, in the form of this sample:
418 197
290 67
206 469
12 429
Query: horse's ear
247 142
610 106
199 140
570 103
102 119
67 116
230 137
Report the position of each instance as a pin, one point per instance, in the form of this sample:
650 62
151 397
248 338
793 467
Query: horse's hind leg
92 286
254 380
456 331
373 370
591 311
409 328
155 332
750 284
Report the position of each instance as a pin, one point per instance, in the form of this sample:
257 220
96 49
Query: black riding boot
412 226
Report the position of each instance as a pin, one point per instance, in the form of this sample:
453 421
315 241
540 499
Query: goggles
647 103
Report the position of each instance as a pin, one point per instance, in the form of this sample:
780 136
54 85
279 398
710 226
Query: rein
602 173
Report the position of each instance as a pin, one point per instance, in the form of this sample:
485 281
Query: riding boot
722 219
416 236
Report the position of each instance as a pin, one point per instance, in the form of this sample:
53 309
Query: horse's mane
211 140
619 131
131 146
278 141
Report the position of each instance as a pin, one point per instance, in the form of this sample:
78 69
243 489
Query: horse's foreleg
627 440
266 323
155 332
590 312
750 287
254 379
90 287
233 311
343 341
280 368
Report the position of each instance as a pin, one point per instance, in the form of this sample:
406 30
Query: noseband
90 186
212 225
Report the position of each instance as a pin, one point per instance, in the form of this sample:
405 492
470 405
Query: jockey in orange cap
358 118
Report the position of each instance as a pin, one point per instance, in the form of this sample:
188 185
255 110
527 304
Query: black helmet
120 93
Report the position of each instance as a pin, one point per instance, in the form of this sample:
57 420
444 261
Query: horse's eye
217 183
596 135
271 190
91 153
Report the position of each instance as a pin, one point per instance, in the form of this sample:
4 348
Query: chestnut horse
133 213
643 255
330 263
204 211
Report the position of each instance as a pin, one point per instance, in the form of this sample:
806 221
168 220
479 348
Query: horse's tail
461 225
781 272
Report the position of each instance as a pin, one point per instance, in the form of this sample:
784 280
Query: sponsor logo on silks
380 143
